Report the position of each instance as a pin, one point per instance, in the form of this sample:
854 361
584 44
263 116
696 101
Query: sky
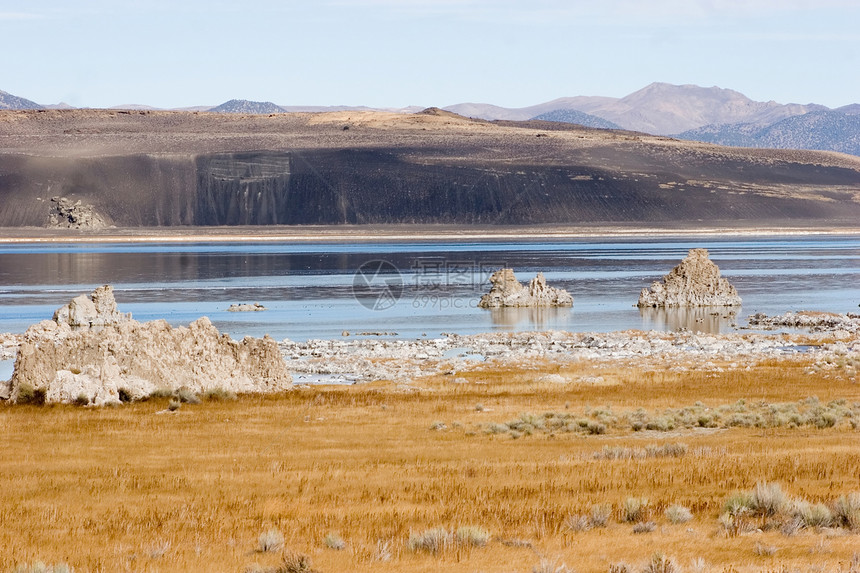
390 53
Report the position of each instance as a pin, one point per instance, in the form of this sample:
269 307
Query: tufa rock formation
98 309
89 356
508 292
66 214
694 282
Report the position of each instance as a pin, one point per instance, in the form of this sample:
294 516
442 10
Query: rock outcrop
508 292
68 214
88 357
695 281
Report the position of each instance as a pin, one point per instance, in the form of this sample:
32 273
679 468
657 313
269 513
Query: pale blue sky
388 53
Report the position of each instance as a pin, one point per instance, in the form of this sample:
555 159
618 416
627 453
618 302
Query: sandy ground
400 233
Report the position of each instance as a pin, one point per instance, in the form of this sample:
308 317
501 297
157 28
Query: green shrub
27 394
738 503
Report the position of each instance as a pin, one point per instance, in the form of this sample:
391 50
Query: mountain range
709 114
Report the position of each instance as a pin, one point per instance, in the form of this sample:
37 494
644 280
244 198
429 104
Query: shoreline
394 233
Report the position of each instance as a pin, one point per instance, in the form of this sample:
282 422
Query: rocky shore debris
245 307
107 357
813 320
402 360
68 214
507 291
695 281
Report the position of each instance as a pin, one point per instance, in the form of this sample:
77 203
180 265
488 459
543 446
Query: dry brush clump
677 514
40 567
439 539
773 508
809 412
271 540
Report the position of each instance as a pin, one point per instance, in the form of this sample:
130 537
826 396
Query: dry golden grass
131 489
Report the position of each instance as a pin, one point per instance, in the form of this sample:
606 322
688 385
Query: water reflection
539 318
708 319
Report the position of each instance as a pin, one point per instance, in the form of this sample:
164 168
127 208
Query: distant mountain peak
247 106
9 101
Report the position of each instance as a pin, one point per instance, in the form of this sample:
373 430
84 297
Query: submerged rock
695 281
69 360
508 292
244 307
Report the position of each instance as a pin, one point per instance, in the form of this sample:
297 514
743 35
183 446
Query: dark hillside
168 169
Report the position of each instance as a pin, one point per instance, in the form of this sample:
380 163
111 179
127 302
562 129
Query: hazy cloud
19 16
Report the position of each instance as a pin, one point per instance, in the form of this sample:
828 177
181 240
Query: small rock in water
243 307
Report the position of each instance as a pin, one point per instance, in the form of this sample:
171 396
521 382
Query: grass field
501 474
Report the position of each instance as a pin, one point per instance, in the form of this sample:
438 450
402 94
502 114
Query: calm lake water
413 289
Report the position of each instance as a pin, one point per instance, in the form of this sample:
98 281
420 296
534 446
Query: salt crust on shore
365 360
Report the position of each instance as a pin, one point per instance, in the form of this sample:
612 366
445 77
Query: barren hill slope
145 168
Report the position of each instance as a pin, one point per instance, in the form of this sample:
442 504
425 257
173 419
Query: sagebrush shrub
600 514
812 515
295 563
659 563
738 503
644 527
334 541
678 514
634 509
846 510
472 535
768 499
432 540
577 523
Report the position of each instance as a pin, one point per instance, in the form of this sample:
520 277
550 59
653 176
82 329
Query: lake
420 288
